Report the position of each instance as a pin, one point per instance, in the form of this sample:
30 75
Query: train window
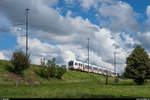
76 63
71 63
86 66
90 67
79 64
100 69
94 68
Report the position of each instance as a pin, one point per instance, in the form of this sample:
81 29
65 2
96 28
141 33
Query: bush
10 67
60 71
51 71
43 72
63 68
20 62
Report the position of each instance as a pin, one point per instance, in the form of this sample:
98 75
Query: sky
60 29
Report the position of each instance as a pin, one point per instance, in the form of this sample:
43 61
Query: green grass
73 85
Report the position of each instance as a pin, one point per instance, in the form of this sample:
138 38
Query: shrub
10 67
43 72
20 62
63 68
60 71
51 70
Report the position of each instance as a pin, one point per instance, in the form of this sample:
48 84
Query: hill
74 84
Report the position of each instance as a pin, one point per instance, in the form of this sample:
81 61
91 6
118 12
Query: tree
138 65
20 62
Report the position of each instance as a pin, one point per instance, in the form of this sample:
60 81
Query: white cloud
101 43
144 38
5 54
2 56
121 17
70 34
69 1
148 12
147 22
87 4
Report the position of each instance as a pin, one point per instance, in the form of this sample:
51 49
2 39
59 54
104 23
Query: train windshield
71 63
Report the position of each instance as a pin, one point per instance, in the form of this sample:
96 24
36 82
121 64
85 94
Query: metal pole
88 54
115 62
106 77
116 77
27 31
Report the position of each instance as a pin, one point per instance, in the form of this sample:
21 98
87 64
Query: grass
73 85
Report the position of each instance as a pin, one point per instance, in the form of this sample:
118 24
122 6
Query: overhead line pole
88 54
116 77
115 62
27 10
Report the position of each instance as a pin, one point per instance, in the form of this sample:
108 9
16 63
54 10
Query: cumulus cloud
101 49
2 56
70 33
5 54
38 50
44 18
121 17
148 13
144 38
87 4
70 1
146 23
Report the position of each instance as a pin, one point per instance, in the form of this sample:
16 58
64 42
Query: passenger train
80 66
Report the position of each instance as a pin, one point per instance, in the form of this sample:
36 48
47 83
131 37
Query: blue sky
60 28
138 5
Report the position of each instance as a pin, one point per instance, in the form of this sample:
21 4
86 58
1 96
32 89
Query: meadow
73 84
